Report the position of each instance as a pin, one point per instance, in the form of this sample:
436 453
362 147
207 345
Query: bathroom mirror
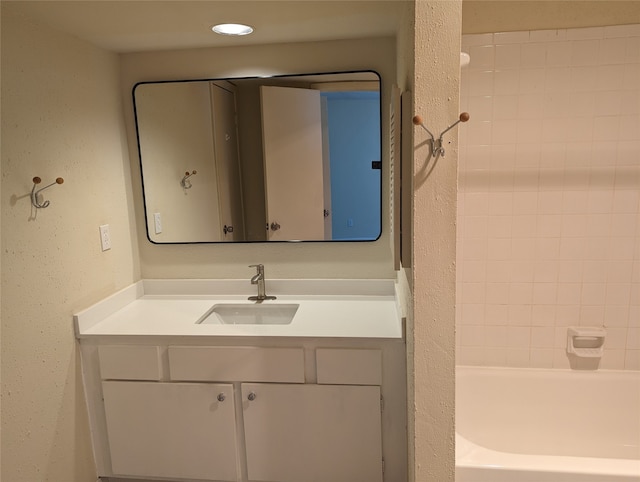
284 158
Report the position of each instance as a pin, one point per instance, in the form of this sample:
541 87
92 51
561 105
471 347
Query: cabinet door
176 430
312 433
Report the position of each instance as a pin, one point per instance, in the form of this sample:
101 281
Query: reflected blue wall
354 142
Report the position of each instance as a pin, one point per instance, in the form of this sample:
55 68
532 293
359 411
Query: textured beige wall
485 16
61 116
437 72
288 260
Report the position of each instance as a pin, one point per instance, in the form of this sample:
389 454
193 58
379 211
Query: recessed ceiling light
232 29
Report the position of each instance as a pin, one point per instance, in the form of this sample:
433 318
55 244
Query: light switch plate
105 237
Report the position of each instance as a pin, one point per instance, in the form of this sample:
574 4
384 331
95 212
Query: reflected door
292 146
225 140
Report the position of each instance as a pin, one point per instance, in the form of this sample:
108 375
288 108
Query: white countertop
343 308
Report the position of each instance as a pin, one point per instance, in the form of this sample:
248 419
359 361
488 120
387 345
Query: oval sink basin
245 314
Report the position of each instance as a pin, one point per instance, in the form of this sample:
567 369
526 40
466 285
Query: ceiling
142 25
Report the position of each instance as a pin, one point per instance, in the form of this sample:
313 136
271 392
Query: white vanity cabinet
300 411
181 430
312 433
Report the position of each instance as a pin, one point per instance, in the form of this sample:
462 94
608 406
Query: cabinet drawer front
338 366
129 362
227 364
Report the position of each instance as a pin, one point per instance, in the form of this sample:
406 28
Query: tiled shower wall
549 195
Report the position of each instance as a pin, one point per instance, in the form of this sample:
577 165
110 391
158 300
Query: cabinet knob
221 397
251 396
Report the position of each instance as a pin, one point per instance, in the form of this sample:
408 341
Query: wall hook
435 145
34 193
185 183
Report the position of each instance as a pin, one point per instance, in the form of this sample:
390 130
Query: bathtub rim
478 457
470 455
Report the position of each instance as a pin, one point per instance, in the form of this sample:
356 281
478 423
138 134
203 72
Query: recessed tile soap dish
585 341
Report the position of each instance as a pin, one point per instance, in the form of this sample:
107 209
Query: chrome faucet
258 279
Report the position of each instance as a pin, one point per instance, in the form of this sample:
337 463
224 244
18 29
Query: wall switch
157 221
350 222
105 237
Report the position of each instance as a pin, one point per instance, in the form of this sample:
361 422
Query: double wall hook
435 145
185 183
34 194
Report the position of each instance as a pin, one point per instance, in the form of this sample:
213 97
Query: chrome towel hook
34 194
435 145
185 183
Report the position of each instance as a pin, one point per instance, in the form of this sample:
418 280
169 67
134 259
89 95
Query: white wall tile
541 358
477 39
631 76
593 293
470 356
622 31
612 359
496 356
612 51
510 37
626 201
624 224
518 336
584 78
496 335
567 315
543 315
531 106
558 79
542 336
547 35
507 56
504 106
632 53
483 56
585 33
558 53
504 132
497 293
535 55
480 82
608 103
585 52
591 315
549 212
507 82
497 314
545 293
532 81
482 107
520 315
594 271
606 128
629 128
517 357
569 293
633 339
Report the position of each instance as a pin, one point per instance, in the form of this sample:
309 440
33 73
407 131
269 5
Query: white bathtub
530 425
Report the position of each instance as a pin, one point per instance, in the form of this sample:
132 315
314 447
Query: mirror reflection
293 158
